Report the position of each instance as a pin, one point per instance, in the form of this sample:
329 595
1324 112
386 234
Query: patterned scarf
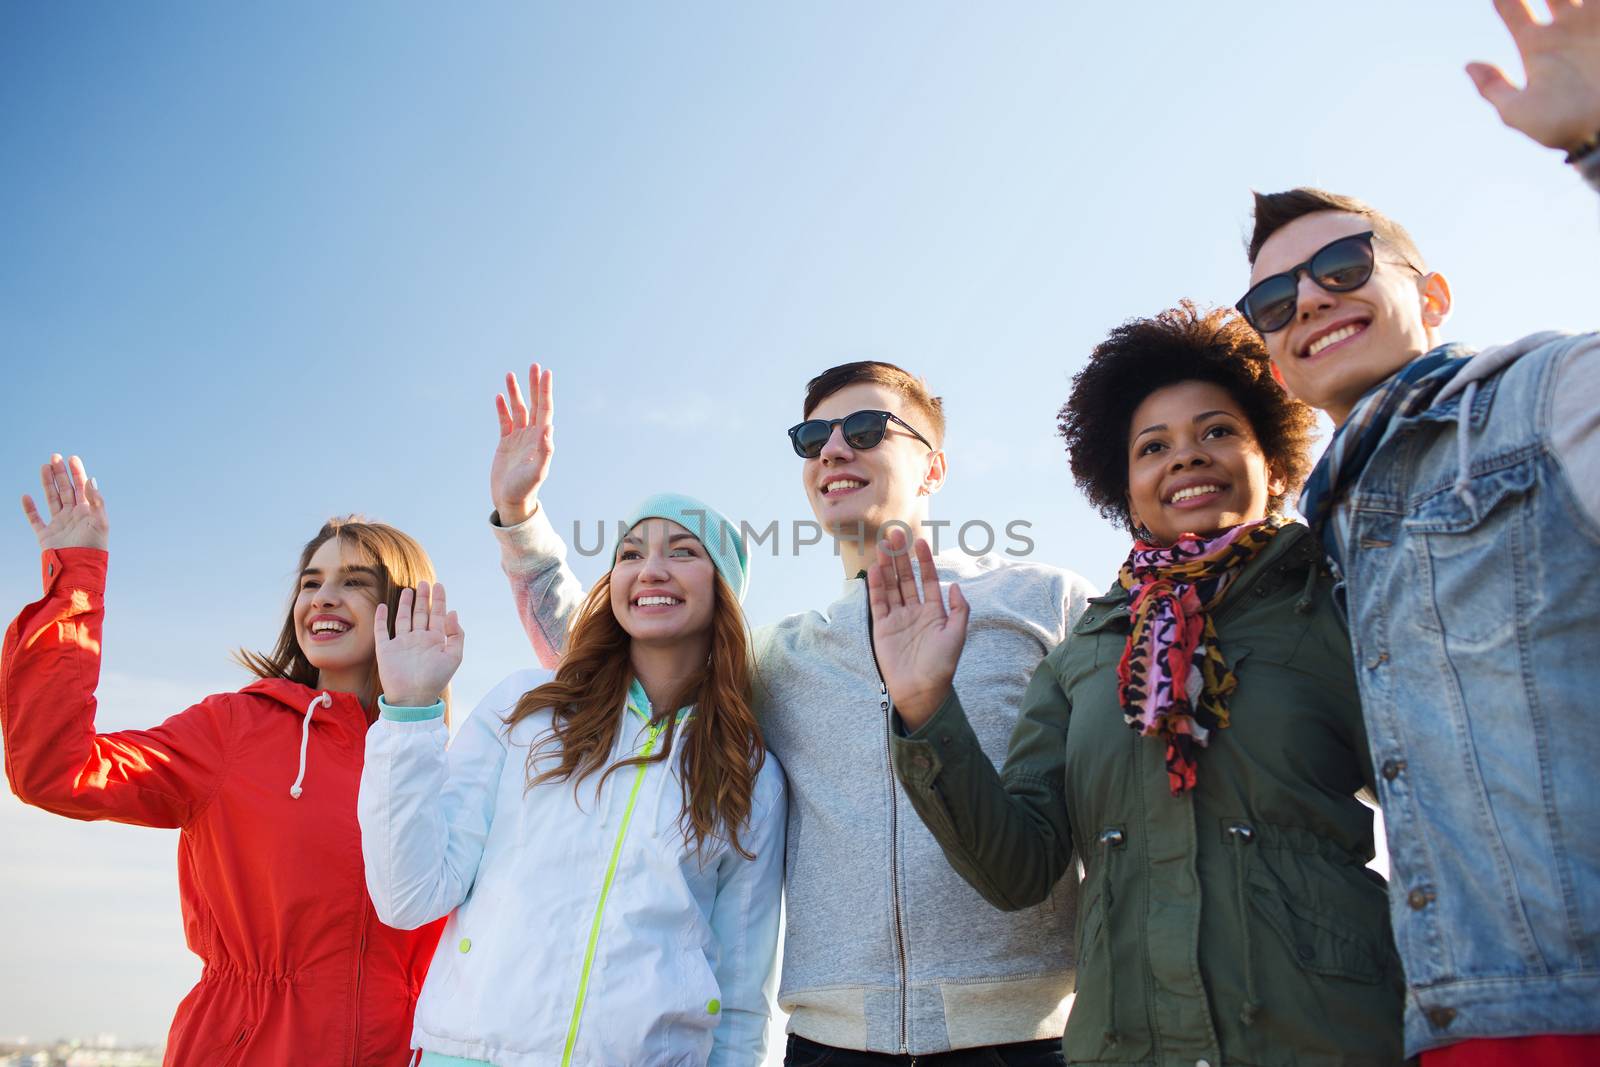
1410 392
1172 680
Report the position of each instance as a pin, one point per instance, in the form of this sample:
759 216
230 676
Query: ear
1277 484
933 479
1133 516
1435 292
1277 376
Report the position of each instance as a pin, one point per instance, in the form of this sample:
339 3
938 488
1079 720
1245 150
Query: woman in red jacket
262 782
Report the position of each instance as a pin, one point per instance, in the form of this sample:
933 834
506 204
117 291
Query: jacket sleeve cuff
945 741
78 568
394 714
530 544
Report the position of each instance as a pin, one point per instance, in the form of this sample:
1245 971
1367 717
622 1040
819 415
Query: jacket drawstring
1109 839
1242 835
305 739
1463 485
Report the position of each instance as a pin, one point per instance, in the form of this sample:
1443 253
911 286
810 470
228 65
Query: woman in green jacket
1197 739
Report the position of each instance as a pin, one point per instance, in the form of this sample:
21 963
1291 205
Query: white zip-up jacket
583 928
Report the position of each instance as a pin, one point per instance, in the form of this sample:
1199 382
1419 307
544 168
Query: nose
1311 297
1189 454
835 448
654 566
326 595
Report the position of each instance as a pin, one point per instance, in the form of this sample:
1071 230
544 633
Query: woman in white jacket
607 840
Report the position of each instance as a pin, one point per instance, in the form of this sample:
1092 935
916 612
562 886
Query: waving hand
77 510
1559 107
527 442
918 642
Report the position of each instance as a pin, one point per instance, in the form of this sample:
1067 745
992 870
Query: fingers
1517 16
877 596
887 580
63 481
52 491
545 407
403 611
80 480
518 407
32 515
1493 85
380 624
905 578
502 410
930 575
452 627
436 606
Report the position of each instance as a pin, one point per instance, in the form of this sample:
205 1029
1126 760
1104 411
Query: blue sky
263 264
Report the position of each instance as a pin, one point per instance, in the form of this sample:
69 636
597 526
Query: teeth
843 483
323 626
647 601
1332 338
1192 492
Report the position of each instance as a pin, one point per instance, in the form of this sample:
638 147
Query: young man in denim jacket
1460 499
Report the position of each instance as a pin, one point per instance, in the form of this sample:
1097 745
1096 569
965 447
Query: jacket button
1112 837
1419 898
1441 1017
713 1006
921 761
1202 1063
1242 832
1392 768
466 944
1305 952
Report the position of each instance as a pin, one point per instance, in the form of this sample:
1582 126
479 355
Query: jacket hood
1492 361
301 699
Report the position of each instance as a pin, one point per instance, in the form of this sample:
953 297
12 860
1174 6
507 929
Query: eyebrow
371 572
634 539
1204 415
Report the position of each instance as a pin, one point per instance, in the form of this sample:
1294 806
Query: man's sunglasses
1338 267
862 430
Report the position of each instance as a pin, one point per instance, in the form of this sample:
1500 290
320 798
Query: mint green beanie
719 536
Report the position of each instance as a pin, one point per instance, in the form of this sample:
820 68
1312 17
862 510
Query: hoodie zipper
894 836
605 891
361 954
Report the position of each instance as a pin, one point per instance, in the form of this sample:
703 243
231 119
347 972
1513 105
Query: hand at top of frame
1559 107
917 641
416 664
527 441
77 510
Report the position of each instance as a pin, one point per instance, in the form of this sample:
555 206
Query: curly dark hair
1179 345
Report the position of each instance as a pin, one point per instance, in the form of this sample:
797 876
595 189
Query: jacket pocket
1319 941
1471 546
231 1052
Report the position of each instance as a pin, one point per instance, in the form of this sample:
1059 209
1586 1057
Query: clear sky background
262 264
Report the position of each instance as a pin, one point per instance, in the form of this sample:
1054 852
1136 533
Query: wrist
515 513
1584 149
411 700
919 707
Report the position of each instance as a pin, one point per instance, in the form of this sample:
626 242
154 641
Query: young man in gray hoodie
888 953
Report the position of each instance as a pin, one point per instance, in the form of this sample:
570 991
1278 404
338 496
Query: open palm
77 510
918 642
416 664
1560 104
527 443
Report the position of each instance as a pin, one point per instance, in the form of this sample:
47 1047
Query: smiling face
333 615
663 587
1194 464
1340 345
890 481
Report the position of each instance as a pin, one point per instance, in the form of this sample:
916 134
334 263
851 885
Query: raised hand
1560 105
917 641
522 459
77 510
416 664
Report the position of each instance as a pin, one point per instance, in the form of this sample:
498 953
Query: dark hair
1181 344
1276 210
911 389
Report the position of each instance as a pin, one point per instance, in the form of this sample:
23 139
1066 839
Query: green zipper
605 890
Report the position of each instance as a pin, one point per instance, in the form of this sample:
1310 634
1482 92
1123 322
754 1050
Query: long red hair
722 751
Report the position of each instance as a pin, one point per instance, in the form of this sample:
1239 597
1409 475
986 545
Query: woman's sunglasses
862 430
1338 267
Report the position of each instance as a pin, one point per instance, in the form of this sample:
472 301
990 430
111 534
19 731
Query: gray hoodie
886 948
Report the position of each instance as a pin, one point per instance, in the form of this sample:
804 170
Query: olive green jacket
1235 924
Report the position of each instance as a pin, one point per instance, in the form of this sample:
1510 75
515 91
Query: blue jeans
803 1053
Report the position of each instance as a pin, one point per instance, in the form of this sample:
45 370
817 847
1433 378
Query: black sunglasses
862 430
1338 267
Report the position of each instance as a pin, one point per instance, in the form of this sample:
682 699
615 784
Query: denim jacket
1474 595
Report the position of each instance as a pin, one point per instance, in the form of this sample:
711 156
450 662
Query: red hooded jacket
298 969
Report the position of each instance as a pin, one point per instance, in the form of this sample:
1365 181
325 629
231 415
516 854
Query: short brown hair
913 390
1276 210
1179 345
